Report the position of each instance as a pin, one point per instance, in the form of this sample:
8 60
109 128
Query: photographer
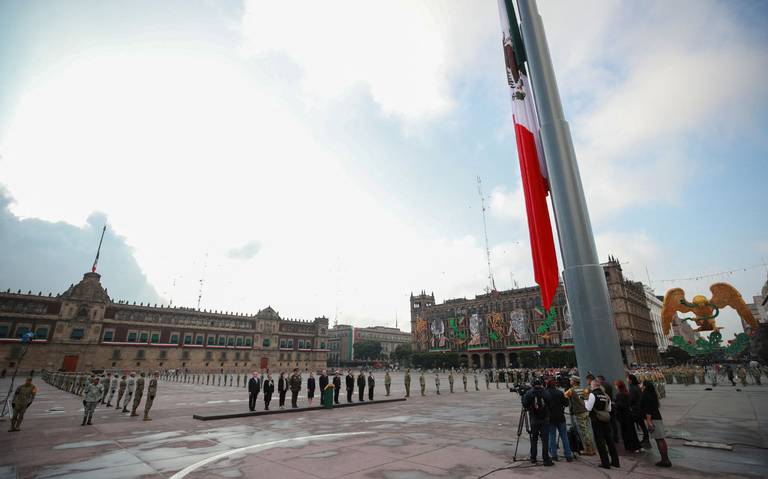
538 412
556 403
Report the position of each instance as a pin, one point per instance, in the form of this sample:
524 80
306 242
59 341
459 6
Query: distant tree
402 354
368 350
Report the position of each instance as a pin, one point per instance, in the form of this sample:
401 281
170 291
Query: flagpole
594 332
98 250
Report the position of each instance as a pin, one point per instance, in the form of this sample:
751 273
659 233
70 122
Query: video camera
520 389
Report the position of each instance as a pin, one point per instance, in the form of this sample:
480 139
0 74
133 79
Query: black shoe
549 463
617 465
533 460
569 459
605 466
554 459
664 464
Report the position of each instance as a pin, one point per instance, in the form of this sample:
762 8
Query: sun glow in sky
321 157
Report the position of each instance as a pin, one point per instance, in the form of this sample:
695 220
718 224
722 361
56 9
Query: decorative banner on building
517 326
567 331
437 328
477 330
457 332
495 326
421 333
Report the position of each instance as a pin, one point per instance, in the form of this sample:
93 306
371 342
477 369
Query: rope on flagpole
708 275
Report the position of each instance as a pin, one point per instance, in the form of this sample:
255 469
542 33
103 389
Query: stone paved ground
460 435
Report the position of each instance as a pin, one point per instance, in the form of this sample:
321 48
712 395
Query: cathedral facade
83 329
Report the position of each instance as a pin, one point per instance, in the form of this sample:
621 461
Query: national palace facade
490 330
83 329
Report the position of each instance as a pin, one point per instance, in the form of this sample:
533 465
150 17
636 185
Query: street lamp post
26 340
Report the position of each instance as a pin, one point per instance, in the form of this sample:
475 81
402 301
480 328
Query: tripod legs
523 422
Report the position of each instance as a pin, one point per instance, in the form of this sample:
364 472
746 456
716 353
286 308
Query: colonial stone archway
501 360
476 361
487 361
513 361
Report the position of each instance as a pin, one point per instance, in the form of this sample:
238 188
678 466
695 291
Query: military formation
713 374
101 389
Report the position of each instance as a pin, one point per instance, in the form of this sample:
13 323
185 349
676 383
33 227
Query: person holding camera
599 406
538 413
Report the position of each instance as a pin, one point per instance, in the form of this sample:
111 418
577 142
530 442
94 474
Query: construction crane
485 233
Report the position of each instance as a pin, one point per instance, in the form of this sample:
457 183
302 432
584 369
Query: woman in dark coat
634 407
625 418
282 388
310 389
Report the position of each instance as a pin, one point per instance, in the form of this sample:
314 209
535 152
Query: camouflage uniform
422 383
22 398
120 391
407 383
387 382
91 397
138 394
151 392
450 380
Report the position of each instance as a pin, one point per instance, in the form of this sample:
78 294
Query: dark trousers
282 398
336 395
349 395
294 398
614 426
267 399
252 400
603 441
540 430
370 394
628 433
361 392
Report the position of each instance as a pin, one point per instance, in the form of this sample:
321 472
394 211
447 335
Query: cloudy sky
321 157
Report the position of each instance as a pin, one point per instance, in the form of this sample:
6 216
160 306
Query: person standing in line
151 393
269 388
729 373
336 387
742 374
635 410
22 398
254 387
130 387
137 395
371 384
350 383
294 383
464 378
624 416
121 390
323 382
361 386
407 380
599 406
556 403
538 414
450 380
91 397
581 416
422 383
437 382
487 380
649 404
474 376
387 382
311 389
282 389
105 386
112 389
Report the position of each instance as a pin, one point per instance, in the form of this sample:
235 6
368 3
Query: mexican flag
532 167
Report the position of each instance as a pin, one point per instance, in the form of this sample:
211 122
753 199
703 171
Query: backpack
538 406
601 406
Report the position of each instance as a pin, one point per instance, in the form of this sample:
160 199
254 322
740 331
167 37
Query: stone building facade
83 329
489 330
654 308
343 337
631 315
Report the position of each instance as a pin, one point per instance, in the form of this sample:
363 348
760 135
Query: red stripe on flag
539 226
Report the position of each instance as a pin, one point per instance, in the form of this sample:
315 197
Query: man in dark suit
323 381
254 387
361 386
269 388
371 384
350 380
336 387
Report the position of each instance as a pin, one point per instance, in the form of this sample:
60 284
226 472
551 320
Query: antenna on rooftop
202 280
485 233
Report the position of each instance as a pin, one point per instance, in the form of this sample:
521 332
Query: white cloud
408 53
508 205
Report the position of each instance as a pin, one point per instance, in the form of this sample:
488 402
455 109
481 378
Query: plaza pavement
460 435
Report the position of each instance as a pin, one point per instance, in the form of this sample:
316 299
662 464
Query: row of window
163 354
303 344
41 332
153 337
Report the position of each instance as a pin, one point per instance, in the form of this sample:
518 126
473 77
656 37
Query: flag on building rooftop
533 169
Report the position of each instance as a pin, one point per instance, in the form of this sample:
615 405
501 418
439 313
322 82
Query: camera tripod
523 422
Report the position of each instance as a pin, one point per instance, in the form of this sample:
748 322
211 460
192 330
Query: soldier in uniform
105 384
464 379
437 382
22 398
294 383
371 384
487 380
151 392
422 383
474 373
120 391
361 386
387 382
138 394
407 383
91 397
130 387
282 388
742 374
269 388
450 380
350 383
112 389
496 378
